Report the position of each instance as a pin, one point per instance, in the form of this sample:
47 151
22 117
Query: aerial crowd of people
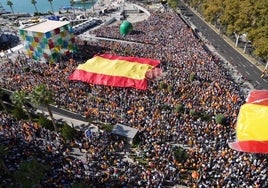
163 36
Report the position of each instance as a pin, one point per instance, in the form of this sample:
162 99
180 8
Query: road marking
247 72
258 82
264 80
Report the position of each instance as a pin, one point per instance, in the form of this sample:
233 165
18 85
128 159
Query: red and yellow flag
252 124
113 70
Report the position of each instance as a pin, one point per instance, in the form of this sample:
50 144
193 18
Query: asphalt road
243 65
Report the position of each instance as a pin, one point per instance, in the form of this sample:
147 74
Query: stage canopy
113 70
125 131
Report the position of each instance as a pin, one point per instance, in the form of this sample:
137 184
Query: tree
44 122
41 95
173 4
72 4
34 2
19 113
68 133
30 173
50 2
239 18
163 85
20 99
192 113
107 127
84 3
92 2
1 100
3 153
180 154
178 108
192 76
212 10
170 88
10 4
220 119
260 38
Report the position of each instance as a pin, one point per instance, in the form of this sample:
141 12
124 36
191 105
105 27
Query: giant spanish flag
252 124
113 70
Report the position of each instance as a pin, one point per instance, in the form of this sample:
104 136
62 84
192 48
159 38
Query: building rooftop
45 26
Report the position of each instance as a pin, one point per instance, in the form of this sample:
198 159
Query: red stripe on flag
152 62
258 97
250 146
101 79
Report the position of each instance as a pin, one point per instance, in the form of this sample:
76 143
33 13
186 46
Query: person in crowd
167 38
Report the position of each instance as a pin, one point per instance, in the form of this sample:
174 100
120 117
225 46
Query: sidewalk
75 123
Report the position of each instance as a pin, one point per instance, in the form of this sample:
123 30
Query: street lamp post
237 37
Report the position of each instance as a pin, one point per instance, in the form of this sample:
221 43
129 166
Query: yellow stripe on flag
109 67
252 123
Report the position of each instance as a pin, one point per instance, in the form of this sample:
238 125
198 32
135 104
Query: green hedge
163 85
170 88
165 107
44 122
68 133
180 154
192 76
193 112
19 114
220 119
179 108
107 127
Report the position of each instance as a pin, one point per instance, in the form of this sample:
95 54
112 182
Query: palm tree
92 3
50 1
19 99
41 95
10 4
84 3
30 173
72 4
34 2
1 100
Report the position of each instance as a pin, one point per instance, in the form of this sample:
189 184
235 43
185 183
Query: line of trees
246 19
33 2
30 172
40 96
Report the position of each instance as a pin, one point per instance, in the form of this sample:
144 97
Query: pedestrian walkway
81 126
74 122
12 51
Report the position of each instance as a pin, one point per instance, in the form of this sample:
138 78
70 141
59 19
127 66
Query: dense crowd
165 37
